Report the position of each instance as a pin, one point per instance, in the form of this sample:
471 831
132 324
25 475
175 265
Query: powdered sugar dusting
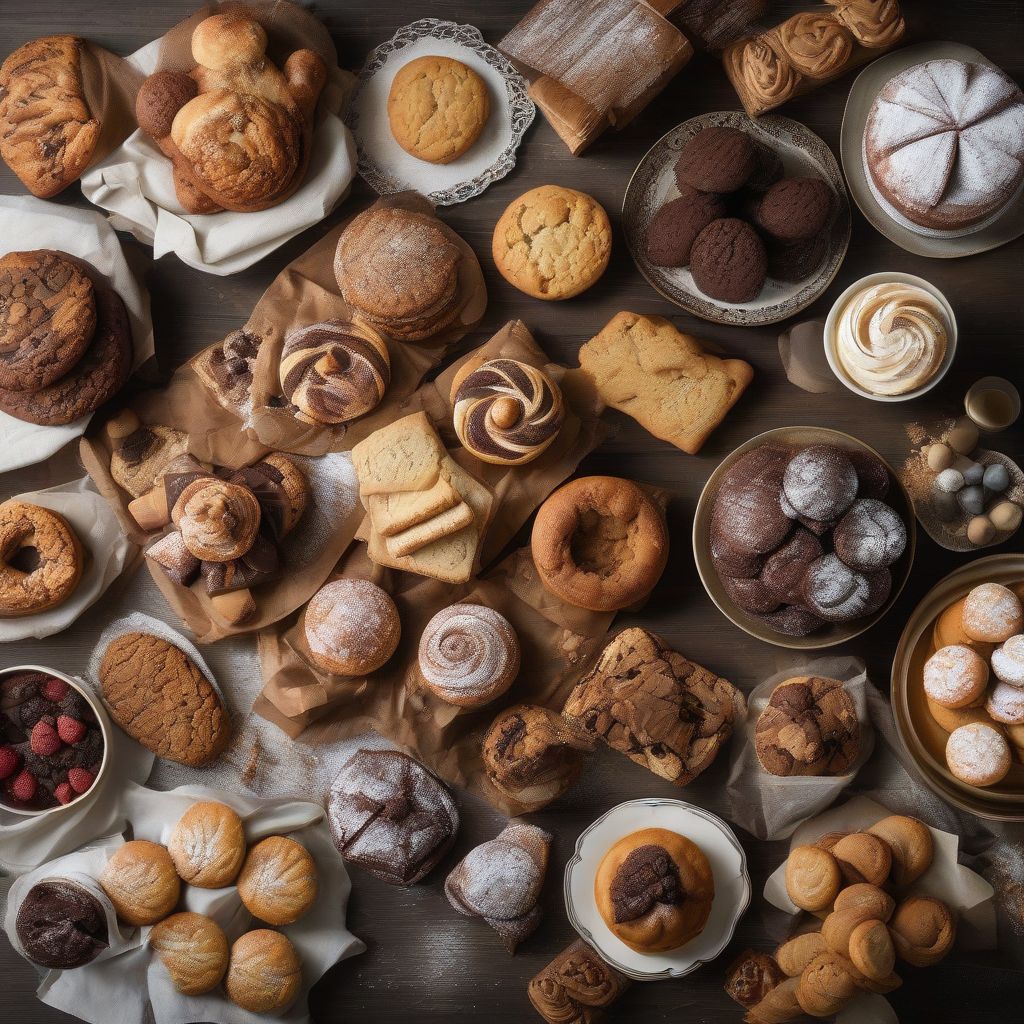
992 612
1008 661
978 754
350 619
1006 704
954 676
467 649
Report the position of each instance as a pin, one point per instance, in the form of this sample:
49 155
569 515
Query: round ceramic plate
728 864
922 737
1006 227
832 633
653 184
386 167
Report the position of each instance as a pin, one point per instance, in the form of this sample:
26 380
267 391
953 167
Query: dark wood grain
423 961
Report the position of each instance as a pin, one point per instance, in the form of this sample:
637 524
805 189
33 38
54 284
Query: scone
437 108
552 242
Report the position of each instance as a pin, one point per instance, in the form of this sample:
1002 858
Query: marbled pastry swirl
766 75
507 412
891 338
876 24
334 371
816 44
218 520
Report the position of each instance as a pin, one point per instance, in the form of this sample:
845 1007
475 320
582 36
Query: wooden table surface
423 961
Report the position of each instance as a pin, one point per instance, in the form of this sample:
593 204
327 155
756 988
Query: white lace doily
386 167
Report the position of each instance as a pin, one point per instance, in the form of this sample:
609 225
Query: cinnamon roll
468 655
576 987
218 520
334 371
757 67
506 412
876 24
816 44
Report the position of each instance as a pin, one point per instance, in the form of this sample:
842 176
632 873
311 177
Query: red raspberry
69 729
24 786
55 689
45 742
9 761
80 779
64 793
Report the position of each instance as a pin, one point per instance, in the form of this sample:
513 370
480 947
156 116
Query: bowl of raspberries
53 740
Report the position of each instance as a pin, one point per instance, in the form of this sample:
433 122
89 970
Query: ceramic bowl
728 864
104 723
922 738
889 277
830 634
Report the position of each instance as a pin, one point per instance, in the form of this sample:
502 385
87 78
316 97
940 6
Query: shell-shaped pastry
194 950
876 24
264 974
507 412
140 881
334 371
278 883
218 520
468 654
767 76
816 44
208 845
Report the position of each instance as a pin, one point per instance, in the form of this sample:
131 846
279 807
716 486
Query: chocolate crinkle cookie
728 261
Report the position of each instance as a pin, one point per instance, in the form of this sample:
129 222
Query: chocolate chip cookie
47 318
95 379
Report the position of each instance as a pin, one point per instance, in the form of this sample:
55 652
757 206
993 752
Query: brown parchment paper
306 292
313 547
110 84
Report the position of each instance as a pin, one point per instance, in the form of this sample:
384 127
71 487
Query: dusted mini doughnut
654 888
334 371
1006 704
837 593
992 613
506 412
352 627
25 528
599 543
1008 661
978 754
468 655
955 677
870 535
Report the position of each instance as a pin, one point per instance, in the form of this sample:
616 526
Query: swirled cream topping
891 338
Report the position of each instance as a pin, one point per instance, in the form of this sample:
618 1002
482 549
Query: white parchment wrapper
124 988
135 185
107 548
28 223
771 806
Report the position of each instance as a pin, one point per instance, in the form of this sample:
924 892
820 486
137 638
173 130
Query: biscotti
643 366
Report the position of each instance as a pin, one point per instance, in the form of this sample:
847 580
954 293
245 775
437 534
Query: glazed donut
506 412
218 520
25 527
468 655
334 371
599 543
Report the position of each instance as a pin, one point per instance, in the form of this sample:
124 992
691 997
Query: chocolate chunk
647 876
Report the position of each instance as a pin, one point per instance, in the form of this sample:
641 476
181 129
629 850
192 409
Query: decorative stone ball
972 500
1006 516
940 457
950 481
980 530
963 438
996 478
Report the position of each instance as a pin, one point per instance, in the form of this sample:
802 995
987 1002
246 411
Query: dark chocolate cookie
768 169
870 535
673 229
796 261
95 379
751 595
717 160
872 474
795 208
747 514
784 570
47 318
728 261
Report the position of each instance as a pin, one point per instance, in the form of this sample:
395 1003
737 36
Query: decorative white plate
1002 228
728 864
653 184
386 167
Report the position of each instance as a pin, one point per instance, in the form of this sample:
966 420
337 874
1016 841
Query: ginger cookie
95 379
552 242
47 318
158 695
437 108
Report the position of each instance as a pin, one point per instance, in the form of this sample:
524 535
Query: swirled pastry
576 987
334 371
816 44
468 655
876 24
506 412
218 520
760 69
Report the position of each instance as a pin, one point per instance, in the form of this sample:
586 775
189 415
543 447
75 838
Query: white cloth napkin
28 223
106 546
116 989
134 183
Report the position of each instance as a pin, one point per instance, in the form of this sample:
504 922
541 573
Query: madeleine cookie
278 883
437 108
140 881
813 878
552 242
910 842
208 845
158 695
194 950
264 972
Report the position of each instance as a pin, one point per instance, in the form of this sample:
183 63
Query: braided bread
334 371
506 412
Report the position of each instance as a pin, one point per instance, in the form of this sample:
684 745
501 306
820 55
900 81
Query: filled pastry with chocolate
654 889
576 987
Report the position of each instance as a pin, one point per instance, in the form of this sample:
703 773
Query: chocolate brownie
717 160
795 209
61 925
673 229
95 379
728 261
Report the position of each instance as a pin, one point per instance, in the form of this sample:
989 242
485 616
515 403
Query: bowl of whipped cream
890 337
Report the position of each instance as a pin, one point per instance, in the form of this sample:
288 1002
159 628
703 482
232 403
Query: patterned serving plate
653 184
